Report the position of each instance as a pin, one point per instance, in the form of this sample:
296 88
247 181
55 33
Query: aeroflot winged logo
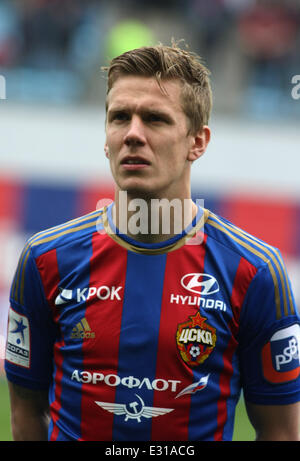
136 410
203 284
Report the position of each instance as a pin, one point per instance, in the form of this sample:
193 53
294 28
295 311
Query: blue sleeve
269 339
31 330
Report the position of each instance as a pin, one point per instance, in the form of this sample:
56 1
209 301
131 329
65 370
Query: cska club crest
195 339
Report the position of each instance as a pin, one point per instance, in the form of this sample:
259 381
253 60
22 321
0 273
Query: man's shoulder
253 249
65 233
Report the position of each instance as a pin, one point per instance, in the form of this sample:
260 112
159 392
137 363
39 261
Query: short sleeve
31 330
269 339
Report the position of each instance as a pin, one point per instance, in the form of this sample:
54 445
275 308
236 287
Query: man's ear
199 144
106 150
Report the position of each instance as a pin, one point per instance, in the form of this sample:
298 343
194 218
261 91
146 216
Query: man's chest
129 305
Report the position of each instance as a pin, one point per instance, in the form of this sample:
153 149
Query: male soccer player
121 330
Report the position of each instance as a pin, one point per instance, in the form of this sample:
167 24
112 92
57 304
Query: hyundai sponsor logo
204 284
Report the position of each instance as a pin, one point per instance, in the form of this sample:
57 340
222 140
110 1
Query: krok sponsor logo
85 294
64 296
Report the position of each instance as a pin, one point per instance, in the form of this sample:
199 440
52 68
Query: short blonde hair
165 63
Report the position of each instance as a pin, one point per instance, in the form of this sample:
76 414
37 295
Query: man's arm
29 413
275 422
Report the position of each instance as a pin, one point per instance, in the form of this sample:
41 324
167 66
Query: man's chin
142 191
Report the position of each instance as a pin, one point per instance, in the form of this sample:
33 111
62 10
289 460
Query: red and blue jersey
152 341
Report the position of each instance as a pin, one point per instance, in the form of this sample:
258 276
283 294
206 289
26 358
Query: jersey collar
166 246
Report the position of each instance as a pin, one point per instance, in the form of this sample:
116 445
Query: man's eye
119 116
155 118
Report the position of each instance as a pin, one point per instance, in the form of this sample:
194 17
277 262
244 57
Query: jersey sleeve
31 330
269 339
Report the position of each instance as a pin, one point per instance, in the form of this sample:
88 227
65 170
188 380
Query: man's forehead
129 90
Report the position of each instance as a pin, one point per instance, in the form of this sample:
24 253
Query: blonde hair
165 63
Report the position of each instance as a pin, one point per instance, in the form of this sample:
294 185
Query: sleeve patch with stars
18 339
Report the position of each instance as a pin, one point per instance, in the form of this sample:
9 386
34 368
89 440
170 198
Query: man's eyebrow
144 111
116 108
160 112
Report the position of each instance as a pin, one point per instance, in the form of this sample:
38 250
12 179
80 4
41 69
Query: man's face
147 140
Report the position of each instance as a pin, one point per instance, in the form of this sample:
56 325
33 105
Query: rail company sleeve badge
280 355
18 339
195 339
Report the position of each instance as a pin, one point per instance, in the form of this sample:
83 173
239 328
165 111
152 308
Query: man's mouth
134 161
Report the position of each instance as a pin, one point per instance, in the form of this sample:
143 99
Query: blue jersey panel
138 342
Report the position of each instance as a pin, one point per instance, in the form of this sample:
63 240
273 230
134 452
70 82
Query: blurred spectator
238 6
47 27
149 4
268 34
209 20
9 35
59 47
51 50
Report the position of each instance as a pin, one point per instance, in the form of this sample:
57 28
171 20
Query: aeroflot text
131 382
198 301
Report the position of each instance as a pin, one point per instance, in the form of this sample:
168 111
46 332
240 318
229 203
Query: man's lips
133 162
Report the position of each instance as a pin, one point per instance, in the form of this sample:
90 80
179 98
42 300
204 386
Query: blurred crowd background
51 119
53 49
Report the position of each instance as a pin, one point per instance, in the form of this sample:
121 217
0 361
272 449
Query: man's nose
135 134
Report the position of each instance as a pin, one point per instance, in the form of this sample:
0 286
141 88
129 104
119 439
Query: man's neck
152 220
